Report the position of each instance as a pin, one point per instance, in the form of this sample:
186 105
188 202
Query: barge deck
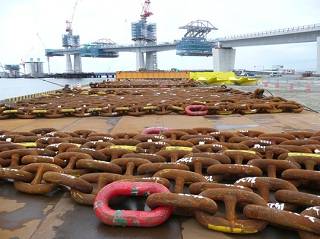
57 216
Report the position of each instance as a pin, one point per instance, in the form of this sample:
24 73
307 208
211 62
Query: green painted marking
118 219
134 191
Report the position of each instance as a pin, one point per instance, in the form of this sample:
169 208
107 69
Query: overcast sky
29 26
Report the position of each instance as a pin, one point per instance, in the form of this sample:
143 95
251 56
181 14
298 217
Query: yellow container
150 75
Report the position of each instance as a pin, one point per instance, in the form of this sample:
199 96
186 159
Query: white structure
301 34
34 68
70 42
223 59
77 63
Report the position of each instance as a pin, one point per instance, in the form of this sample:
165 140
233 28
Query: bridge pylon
223 59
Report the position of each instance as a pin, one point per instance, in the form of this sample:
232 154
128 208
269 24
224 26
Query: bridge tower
144 34
70 41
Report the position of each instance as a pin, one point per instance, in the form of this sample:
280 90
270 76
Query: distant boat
275 74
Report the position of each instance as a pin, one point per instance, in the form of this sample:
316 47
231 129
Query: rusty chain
109 102
206 166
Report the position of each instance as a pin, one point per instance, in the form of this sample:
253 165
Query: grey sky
22 20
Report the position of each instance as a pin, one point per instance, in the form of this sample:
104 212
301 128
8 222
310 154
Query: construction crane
72 41
144 34
44 46
70 21
146 10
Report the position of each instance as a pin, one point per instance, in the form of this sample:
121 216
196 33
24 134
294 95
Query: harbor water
13 87
305 91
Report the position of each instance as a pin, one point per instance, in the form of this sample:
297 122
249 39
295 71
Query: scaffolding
12 70
142 31
99 49
194 42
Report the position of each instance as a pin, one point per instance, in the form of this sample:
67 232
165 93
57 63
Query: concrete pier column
140 60
318 55
68 64
223 59
151 60
48 61
77 63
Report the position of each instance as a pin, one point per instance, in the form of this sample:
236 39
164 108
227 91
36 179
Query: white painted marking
279 206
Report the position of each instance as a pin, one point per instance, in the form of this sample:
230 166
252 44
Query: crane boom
74 10
70 21
146 10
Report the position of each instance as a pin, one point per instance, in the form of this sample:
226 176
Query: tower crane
146 10
144 34
69 22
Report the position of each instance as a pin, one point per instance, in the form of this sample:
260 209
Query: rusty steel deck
57 216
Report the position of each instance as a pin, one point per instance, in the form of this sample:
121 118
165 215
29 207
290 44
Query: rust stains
9 205
48 226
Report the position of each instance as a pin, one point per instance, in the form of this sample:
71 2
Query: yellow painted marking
224 112
304 155
230 229
150 107
250 112
9 111
179 148
244 151
176 108
122 108
39 111
274 111
199 102
128 147
28 144
67 110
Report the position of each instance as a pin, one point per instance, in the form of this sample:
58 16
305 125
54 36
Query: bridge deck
57 216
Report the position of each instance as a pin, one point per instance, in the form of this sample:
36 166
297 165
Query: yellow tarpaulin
221 78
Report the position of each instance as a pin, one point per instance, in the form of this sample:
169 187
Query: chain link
199 166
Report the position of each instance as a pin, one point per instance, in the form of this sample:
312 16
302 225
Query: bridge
96 50
195 43
224 54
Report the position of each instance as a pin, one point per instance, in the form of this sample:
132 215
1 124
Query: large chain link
199 166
